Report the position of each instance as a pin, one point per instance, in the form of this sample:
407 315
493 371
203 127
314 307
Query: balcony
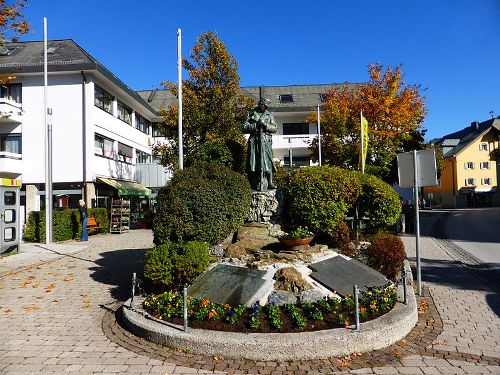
292 141
10 164
11 112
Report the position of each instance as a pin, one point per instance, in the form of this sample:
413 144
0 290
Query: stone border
375 334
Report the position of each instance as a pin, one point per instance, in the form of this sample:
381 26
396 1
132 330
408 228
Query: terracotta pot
291 243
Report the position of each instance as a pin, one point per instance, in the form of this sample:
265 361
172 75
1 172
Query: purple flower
255 314
230 313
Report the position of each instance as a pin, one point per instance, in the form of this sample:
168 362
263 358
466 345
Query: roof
303 97
459 140
27 57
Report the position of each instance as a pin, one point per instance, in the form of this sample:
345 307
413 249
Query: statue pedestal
266 207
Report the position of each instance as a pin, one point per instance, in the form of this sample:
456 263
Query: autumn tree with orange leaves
394 111
11 19
213 108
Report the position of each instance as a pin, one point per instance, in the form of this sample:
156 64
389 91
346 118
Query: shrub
386 254
205 202
341 239
176 263
225 152
319 197
66 224
378 201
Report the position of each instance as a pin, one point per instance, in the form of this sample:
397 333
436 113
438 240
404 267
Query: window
124 113
486 181
469 165
291 128
103 99
297 161
9 198
11 143
286 98
469 182
483 147
484 165
156 130
323 97
12 91
142 124
124 153
142 157
103 147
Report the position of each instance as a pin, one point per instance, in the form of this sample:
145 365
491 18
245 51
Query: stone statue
260 166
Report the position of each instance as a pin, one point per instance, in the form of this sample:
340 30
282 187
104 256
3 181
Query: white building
102 130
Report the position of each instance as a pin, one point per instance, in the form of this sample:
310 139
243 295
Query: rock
266 206
310 296
217 250
236 250
290 280
281 298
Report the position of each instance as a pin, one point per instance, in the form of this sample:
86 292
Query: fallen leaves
31 308
50 287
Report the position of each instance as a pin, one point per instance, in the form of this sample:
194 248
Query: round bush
386 254
176 263
205 202
319 197
378 201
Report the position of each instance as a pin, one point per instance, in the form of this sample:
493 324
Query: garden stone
311 296
290 280
217 250
281 298
266 207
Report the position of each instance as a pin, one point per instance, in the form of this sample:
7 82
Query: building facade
471 167
101 129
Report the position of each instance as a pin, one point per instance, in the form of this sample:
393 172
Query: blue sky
450 47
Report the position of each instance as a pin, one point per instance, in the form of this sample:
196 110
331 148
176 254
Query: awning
126 187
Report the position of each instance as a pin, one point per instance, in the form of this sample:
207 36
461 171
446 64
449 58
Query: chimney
474 125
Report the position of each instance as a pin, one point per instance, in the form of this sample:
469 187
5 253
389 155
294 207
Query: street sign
426 166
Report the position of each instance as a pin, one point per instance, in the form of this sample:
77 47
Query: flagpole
319 137
362 144
48 143
179 82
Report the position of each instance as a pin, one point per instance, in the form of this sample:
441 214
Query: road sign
426 168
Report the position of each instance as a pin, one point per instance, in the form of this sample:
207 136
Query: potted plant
296 237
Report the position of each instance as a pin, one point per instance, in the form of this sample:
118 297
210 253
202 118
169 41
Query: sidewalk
31 254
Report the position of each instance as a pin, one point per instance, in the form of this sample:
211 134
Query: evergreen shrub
205 202
226 152
319 197
386 254
176 263
66 224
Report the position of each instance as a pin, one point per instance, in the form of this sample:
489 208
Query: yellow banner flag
364 141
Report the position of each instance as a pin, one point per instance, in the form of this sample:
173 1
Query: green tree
395 112
213 108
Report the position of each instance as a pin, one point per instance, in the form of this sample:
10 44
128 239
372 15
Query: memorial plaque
233 285
339 274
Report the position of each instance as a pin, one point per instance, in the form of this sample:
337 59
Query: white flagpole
362 144
319 137
179 82
48 144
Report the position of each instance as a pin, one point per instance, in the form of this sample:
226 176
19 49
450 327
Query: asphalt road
476 231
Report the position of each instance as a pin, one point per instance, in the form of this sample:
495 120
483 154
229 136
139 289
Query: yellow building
471 167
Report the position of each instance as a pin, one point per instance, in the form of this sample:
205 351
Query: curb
375 334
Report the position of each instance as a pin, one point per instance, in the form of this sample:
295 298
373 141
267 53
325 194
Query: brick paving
57 318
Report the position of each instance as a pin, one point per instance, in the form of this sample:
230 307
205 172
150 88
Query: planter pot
291 243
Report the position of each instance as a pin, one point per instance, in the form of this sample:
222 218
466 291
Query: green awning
126 187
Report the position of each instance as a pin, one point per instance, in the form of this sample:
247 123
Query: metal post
185 310
179 83
356 307
319 136
405 290
134 281
48 143
416 223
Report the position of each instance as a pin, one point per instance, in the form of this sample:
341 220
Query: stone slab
339 274
231 284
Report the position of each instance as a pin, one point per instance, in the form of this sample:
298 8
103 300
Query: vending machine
10 229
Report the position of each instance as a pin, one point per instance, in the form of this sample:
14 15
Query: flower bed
320 315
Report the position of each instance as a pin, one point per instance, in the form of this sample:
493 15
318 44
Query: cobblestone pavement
57 318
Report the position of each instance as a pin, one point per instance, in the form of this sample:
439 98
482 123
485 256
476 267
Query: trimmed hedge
66 224
205 202
178 263
378 201
319 197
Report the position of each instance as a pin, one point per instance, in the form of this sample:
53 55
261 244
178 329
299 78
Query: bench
93 225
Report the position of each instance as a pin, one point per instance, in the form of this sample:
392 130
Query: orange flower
347 324
211 314
227 306
204 302
363 310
